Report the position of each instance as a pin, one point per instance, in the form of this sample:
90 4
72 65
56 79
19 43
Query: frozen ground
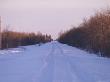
52 62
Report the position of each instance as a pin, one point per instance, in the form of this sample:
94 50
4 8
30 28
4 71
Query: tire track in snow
58 67
80 74
64 68
71 73
46 73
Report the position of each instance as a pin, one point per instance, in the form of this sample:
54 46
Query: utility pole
0 34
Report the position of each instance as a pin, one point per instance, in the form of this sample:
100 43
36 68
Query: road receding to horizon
52 62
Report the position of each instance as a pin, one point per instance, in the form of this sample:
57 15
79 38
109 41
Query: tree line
12 39
92 34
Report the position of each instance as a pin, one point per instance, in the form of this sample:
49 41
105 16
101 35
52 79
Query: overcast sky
47 16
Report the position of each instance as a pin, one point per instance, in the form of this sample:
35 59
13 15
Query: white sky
47 16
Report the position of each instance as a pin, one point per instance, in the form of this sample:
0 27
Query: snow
52 62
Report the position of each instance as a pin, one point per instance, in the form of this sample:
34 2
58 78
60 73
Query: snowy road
53 62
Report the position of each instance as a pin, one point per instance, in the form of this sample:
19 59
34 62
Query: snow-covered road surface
53 62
